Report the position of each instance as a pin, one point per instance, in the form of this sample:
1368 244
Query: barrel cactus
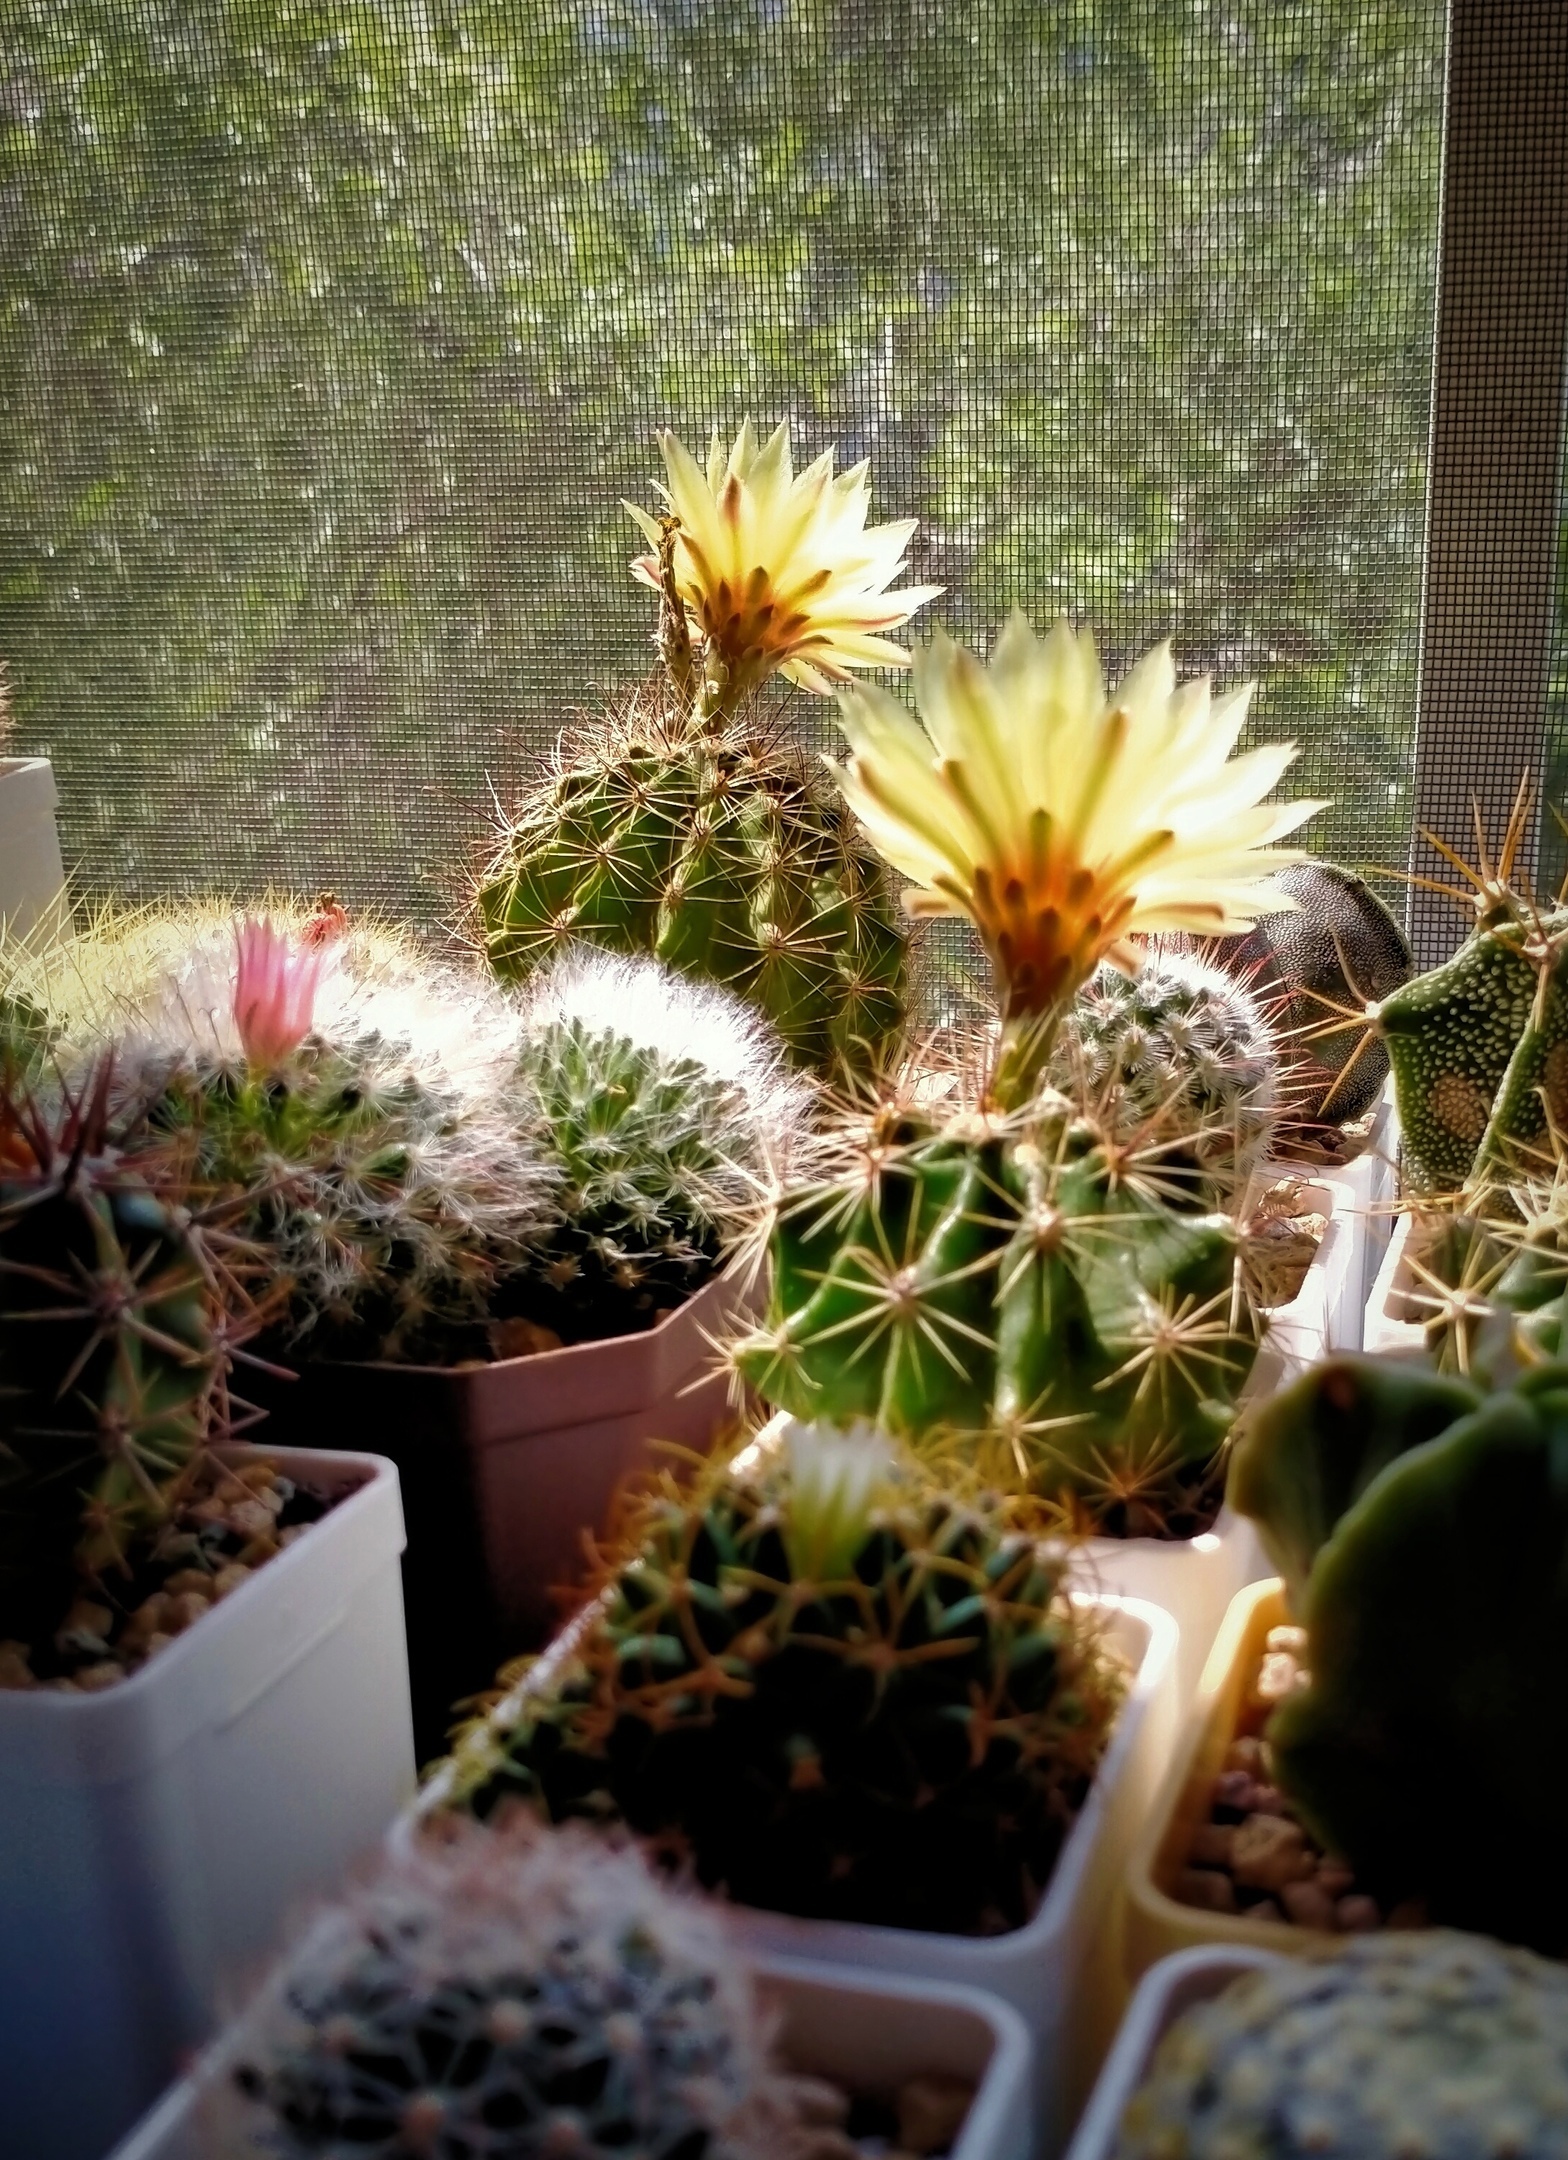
1424 1527
520 1992
1017 1294
1184 1047
667 1115
1433 2043
836 1689
686 824
112 1351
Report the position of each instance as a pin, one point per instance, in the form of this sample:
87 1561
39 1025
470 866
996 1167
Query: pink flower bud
275 985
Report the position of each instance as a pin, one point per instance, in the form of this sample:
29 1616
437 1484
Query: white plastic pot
1169 1988
1062 1971
1394 1318
154 1836
32 877
1370 1185
868 2035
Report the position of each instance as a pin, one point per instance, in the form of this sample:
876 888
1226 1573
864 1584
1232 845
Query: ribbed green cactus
109 1364
1016 1291
1431 1746
712 846
522 1994
841 1691
1434 2044
666 1114
1184 1046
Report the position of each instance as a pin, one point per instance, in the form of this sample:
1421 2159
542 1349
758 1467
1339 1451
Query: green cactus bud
716 850
1430 1747
1016 1293
110 1365
903 1740
515 1993
1183 1045
1429 2043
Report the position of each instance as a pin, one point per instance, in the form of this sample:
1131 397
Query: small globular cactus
1432 2043
837 1689
1185 1047
112 1351
1422 1526
1021 1293
513 1992
667 1114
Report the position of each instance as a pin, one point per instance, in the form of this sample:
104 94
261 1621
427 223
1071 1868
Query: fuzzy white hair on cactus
681 1020
836 1475
275 985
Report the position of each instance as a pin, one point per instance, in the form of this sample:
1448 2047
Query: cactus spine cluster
838 1690
111 1366
518 1992
1184 1048
1019 1293
666 1114
1423 1527
1429 2043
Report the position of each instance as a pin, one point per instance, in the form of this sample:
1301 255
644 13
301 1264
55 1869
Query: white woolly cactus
1186 1049
350 1104
668 1116
519 1992
1443 2045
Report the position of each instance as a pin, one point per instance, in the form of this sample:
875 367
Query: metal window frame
1493 479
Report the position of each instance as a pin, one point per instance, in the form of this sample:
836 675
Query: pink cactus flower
275 984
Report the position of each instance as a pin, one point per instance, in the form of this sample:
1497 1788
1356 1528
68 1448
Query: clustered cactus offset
1421 1525
834 1688
1439 2044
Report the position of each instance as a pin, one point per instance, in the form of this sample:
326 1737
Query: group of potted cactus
866 1371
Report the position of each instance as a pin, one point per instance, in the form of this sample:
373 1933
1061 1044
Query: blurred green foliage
332 334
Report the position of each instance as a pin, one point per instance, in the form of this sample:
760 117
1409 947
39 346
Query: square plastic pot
153 1837
1060 1971
868 2035
1370 1184
32 878
1394 1322
1156 1923
506 1469
1174 1985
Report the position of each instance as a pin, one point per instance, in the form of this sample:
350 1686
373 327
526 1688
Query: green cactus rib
720 854
905 1744
108 1358
1015 1293
1430 1747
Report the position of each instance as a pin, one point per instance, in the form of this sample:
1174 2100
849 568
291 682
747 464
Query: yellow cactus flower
1062 821
779 571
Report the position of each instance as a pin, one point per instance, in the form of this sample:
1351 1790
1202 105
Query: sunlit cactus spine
666 1111
835 1688
686 824
519 1993
1018 1296
1183 1048
113 1351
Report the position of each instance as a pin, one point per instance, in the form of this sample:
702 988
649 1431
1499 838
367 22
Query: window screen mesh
331 335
